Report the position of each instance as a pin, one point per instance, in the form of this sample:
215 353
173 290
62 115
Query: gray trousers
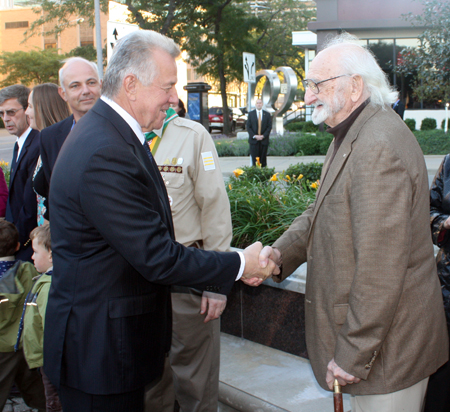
191 374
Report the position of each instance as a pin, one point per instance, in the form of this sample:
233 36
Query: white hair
68 62
357 59
133 54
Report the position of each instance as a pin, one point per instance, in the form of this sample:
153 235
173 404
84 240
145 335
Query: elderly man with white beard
374 317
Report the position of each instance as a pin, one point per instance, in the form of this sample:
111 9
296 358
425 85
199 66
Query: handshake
260 263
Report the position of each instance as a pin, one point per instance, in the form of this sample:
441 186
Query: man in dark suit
108 324
21 208
399 108
259 125
80 87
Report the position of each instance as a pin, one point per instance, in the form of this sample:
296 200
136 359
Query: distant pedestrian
259 125
399 108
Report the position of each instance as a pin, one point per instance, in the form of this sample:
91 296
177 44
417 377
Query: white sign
249 67
115 31
283 88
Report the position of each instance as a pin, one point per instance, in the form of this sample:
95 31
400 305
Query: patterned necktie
259 122
14 159
147 150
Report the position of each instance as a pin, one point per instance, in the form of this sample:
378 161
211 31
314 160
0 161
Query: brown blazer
373 299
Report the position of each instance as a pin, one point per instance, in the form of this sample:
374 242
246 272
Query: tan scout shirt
189 165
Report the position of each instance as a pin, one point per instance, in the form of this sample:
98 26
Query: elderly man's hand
335 372
268 255
256 269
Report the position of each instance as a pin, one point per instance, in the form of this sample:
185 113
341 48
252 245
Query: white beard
327 110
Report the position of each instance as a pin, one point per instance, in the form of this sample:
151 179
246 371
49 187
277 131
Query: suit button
367 366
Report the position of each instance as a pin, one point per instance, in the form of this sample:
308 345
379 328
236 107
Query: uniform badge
208 161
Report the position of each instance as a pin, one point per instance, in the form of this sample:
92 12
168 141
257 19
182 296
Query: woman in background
45 107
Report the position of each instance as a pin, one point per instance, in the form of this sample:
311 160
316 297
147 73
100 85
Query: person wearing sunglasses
21 208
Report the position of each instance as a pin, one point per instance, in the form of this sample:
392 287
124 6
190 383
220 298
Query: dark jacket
108 320
21 208
439 213
252 127
52 139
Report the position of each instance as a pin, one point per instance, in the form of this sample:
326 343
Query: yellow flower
300 177
238 172
315 185
258 163
274 178
229 186
288 177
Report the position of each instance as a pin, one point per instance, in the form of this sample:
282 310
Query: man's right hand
260 266
254 268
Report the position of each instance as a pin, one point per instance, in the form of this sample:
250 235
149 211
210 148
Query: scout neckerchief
152 138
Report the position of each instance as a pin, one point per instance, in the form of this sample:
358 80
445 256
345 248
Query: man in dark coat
108 321
259 125
21 208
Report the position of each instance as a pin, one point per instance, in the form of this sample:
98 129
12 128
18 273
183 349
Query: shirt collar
21 140
131 121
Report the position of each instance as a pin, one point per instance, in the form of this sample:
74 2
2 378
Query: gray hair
68 62
133 54
360 60
18 91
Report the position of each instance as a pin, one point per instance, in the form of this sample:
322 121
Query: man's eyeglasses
314 86
10 113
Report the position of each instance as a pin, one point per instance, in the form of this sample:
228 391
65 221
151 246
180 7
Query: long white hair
356 59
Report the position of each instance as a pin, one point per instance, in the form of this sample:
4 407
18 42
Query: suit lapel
340 158
23 153
130 137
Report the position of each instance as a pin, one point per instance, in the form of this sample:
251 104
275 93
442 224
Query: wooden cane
338 401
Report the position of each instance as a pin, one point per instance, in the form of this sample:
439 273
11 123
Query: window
16 24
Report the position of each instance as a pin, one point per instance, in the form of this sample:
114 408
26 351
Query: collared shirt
21 140
131 121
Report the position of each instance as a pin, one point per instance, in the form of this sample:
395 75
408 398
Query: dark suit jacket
52 139
3 194
108 323
21 208
252 127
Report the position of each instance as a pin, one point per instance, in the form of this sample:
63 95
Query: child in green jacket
16 281
36 305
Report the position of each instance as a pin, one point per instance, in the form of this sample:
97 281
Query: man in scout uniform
188 162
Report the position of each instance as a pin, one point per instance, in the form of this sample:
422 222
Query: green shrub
325 140
310 127
264 210
308 145
283 145
411 123
232 148
433 142
443 124
294 126
310 171
428 124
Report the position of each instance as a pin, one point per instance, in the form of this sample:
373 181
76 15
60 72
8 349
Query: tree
35 66
87 52
280 18
57 16
429 63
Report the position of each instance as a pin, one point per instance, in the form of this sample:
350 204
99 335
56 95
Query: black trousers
74 400
259 150
438 392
